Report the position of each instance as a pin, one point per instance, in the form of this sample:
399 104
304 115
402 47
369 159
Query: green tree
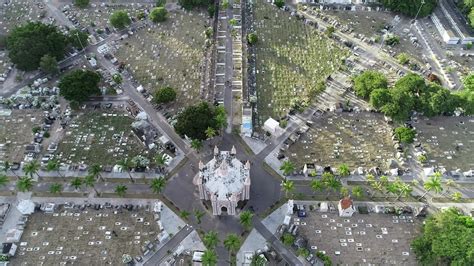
468 82
165 95
4 180
56 188
357 192
246 219
344 191
76 183
411 7
210 240
119 19
317 185
288 186
81 3
95 170
258 260
24 184
196 144
369 81
343 170
450 183
471 17
331 182
54 165
433 184
127 165
401 105
78 85
158 14
403 58
28 43
121 190
456 196
225 4
287 239
89 181
210 132
198 214
117 78
194 121
405 135
157 185
189 4
161 159
252 38
78 39
49 65
379 98
279 3
329 30
232 243
287 167
160 2
446 239
31 168
209 258
184 214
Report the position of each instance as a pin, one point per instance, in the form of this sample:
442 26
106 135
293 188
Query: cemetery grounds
169 54
448 141
102 137
356 139
292 58
16 132
377 239
18 12
85 236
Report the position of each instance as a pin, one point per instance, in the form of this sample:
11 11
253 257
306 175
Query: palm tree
158 184
24 184
196 144
317 185
391 188
376 186
456 196
95 170
384 180
121 190
433 184
55 188
184 214
287 167
7 166
357 192
89 181
288 186
331 182
258 260
127 165
4 180
54 165
161 160
210 132
210 240
450 184
246 219
76 183
344 191
198 214
370 178
232 244
404 190
209 258
31 168
343 170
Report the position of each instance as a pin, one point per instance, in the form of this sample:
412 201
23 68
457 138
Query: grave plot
356 139
447 141
16 132
378 239
18 12
85 237
170 53
99 137
292 58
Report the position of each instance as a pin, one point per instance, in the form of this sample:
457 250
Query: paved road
157 258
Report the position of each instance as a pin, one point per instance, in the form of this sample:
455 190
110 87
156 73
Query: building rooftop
224 175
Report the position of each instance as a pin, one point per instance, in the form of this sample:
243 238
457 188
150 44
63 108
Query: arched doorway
223 210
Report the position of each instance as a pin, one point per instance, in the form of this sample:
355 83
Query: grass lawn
292 58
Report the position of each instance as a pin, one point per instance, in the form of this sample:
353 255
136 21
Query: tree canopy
78 39
81 3
411 7
195 120
279 3
78 85
189 4
28 43
49 65
369 81
446 239
405 134
252 38
120 19
158 14
165 95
